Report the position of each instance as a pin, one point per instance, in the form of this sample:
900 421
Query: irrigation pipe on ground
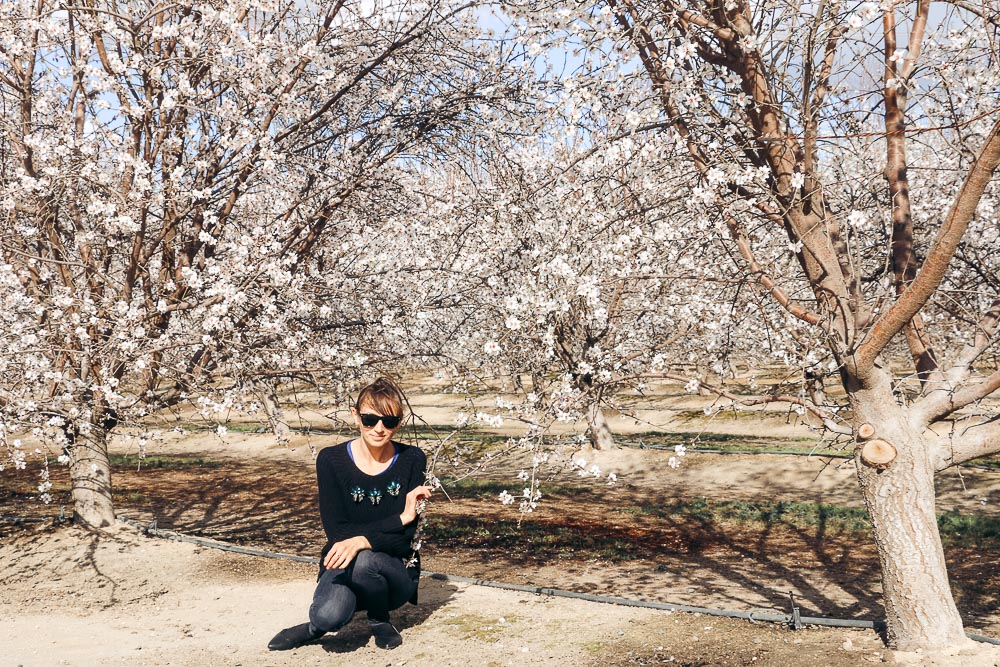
773 452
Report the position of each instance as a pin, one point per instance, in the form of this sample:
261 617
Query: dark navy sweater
353 503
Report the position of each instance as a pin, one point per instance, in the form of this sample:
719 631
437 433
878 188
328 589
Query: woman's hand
419 493
342 553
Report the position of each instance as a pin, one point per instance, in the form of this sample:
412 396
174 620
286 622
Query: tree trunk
275 415
600 434
90 476
919 607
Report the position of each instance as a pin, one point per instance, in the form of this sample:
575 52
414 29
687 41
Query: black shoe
293 637
386 636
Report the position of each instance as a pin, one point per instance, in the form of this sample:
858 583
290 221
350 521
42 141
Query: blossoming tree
185 188
846 152
583 277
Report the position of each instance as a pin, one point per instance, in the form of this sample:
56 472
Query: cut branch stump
878 454
866 431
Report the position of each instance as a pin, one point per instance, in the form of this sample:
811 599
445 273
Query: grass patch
721 415
162 462
232 427
688 521
490 488
990 462
483 628
800 515
528 538
959 530
729 442
131 497
962 530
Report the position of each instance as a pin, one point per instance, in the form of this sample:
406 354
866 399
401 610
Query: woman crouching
370 489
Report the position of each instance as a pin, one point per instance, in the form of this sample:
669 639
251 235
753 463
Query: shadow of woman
434 594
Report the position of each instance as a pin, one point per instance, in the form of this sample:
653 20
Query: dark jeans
374 581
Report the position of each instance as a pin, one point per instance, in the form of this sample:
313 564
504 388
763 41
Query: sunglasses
389 421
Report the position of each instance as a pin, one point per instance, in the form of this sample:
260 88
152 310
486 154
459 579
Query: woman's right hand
413 498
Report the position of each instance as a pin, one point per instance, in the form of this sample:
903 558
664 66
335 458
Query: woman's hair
384 395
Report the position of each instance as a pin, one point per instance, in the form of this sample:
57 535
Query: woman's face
378 435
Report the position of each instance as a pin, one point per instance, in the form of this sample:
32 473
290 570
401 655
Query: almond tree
847 151
185 190
578 283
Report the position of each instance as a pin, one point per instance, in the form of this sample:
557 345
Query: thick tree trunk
600 434
90 476
919 606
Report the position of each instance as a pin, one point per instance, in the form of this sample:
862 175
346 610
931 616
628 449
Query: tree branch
917 293
944 400
970 443
765 279
829 419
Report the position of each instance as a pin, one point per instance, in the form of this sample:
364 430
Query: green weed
960 530
969 530
162 462
483 628
488 488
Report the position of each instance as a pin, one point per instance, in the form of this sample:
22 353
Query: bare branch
830 420
765 279
944 399
934 267
811 107
977 8
971 442
986 329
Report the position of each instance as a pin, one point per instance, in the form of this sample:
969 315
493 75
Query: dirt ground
121 598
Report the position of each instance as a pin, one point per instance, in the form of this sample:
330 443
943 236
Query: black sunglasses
389 421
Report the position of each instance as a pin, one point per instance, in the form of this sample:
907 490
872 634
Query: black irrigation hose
776 452
151 529
17 521
694 450
793 620
20 520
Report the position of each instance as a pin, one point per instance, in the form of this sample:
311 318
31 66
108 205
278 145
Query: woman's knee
367 562
333 606
368 573
381 580
330 615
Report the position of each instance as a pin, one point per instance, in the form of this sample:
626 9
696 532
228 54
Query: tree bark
275 414
600 434
90 476
919 607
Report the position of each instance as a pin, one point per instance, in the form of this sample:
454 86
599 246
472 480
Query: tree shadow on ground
625 542
66 552
743 565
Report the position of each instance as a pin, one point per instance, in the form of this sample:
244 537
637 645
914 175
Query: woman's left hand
342 553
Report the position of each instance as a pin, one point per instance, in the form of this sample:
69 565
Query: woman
370 489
